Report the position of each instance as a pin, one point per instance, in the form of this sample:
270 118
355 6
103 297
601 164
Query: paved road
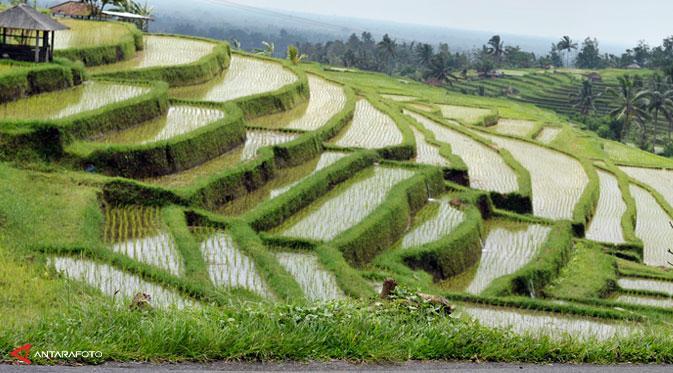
343 366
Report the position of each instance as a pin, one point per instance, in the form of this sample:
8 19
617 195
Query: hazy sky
618 21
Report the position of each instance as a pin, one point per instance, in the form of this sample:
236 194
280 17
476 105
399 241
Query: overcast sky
617 21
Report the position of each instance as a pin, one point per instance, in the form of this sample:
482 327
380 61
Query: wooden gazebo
27 35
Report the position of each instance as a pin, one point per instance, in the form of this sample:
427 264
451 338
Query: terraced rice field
548 134
327 99
88 34
488 171
506 250
317 283
179 120
652 228
606 225
227 266
646 301
344 206
282 182
558 180
464 114
665 287
545 324
60 104
116 283
513 127
427 153
423 107
399 98
438 219
139 233
246 76
370 129
161 51
660 180
255 140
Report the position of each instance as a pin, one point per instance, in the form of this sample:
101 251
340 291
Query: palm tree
658 102
566 44
585 99
424 53
440 69
268 50
630 103
294 56
496 47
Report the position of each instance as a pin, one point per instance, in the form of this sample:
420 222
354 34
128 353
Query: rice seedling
138 232
665 287
327 99
60 104
88 34
463 114
514 127
161 51
116 283
545 324
423 107
558 180
505 251
487 169
370 129
227 266
630 154
344 206
283 180
427 153
255 140
660 180
606 225
437 220
399 98
246 76
179 120
548 134
646 301
317 283
652 228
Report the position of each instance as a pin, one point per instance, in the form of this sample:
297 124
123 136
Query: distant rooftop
24 17
125 15
72 9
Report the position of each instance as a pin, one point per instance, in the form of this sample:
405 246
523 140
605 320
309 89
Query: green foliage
26 79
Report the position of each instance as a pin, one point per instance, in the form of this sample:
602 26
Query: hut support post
37 46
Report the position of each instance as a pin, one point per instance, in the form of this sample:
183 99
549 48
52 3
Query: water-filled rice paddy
327 99
283 180
606 225
544 324
507 248
652 228
660 180
161 51
399 98
370 129
60 104
317 283
548 134
427 153
646 301
88 34
464 114
246 76
514 127
558 180
115 283
139 233
227 266
436 220
487 169
344 206
627 283
255 140
422 107
179 120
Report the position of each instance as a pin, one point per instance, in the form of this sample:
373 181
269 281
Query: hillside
262 204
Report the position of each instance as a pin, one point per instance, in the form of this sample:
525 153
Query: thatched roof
23 17
73 9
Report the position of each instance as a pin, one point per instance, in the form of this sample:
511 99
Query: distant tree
387 49
440 69
568 45
424 53
630 102
294 56
496 47
269 48
589 56
585 99
659 101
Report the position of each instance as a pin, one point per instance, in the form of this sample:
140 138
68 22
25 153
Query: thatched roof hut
27 35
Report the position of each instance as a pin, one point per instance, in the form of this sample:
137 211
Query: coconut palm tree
585 99
424 53
566 44
268 50
440 69
658 102
630 104
496 47
294 56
